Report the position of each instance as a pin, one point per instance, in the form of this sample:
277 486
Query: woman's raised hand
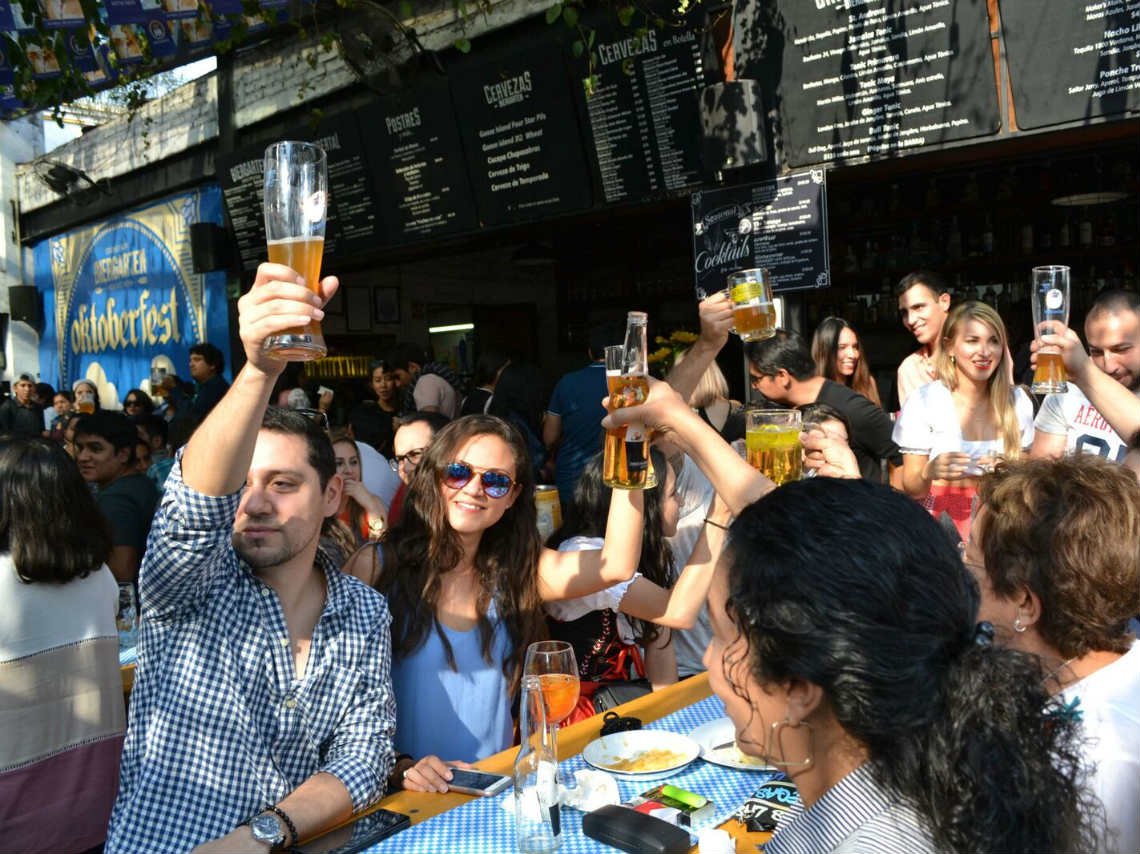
951 465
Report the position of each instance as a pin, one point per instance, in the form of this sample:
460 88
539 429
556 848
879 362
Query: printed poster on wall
120 297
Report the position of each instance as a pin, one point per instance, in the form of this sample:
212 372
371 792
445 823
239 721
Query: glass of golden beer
752 305
625 463
772 439
1050 299
296 197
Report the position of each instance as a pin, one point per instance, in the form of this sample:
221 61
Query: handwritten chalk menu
1079 61
519 130
415 153
240 176
354 221
879 78
643 110
780 225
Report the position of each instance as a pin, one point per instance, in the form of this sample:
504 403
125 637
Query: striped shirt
220 725
854 815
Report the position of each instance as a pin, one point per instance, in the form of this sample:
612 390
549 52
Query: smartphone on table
363 833
474 782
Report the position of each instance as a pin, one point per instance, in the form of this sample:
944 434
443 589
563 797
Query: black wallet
635 831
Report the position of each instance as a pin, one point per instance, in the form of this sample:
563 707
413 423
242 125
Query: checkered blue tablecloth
482 826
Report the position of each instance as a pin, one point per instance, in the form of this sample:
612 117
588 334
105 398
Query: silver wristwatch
268 828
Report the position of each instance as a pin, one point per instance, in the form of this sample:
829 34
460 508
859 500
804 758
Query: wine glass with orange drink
554 664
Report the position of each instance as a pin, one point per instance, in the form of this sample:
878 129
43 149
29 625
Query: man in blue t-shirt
573 419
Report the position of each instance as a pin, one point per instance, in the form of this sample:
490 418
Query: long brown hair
825 354
422 547
998 388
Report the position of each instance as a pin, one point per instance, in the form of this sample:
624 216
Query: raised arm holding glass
262 709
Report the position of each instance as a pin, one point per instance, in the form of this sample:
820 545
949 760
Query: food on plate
646 761
732 753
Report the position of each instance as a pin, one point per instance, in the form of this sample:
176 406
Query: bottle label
1054 299
635 432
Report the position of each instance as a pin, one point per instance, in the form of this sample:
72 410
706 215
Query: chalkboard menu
353 219
643 109
240 176
780 225
418 163
1079 62
877 78
520 134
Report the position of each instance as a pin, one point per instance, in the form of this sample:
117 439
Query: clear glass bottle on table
538 822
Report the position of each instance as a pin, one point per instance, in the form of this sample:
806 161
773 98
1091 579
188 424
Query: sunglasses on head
495 484
317 416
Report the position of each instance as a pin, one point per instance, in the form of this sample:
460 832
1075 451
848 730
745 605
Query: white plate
717 732
603 752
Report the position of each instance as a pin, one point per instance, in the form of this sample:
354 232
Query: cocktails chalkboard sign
880 78
1080 61
780 225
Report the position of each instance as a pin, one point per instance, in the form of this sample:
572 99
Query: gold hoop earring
774 742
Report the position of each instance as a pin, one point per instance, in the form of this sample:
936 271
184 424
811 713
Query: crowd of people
932 634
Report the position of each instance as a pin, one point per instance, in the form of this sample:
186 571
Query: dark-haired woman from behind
519 400
61 695
876 689
838 354
610 628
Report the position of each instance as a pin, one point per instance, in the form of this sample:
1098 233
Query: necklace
1053 675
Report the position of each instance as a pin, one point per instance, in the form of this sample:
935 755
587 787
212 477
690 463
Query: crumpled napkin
594 789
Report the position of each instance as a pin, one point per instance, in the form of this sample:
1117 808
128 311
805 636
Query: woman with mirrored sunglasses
466 576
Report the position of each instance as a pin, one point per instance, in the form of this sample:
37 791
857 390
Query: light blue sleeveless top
460 714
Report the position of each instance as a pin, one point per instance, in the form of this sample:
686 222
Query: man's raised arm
217 458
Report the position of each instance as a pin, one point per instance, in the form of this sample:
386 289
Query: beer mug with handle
296 199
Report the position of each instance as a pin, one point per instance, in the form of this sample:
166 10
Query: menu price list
419 164
642 109
780 225
353 222
240 176
524 152
880 77
1080 62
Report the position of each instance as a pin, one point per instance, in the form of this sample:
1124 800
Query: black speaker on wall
209 247
732 122
24 304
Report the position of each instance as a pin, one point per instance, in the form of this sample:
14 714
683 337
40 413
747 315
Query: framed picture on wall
356 309
387 303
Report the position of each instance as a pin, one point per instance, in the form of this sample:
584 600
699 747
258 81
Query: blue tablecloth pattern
482 826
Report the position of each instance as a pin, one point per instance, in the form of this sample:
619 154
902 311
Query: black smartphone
362 833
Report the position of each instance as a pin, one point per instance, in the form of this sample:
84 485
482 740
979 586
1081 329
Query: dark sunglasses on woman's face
495 483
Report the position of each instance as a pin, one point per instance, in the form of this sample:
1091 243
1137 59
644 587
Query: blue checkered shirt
219 724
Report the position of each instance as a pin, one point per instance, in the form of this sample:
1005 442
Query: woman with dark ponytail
848 653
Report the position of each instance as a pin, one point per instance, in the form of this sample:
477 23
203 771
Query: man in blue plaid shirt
262 710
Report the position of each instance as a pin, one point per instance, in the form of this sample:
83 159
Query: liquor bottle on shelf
1026 237
954 241
1107 236
988 236
1044 237
972 194
1065 233
1085 229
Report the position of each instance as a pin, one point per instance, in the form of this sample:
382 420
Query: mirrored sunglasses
495 484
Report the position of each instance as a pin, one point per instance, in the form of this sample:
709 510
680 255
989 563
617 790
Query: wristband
280 813
709 521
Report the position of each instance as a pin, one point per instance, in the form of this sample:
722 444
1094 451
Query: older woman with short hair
1055 548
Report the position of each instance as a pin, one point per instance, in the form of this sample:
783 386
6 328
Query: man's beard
261 557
